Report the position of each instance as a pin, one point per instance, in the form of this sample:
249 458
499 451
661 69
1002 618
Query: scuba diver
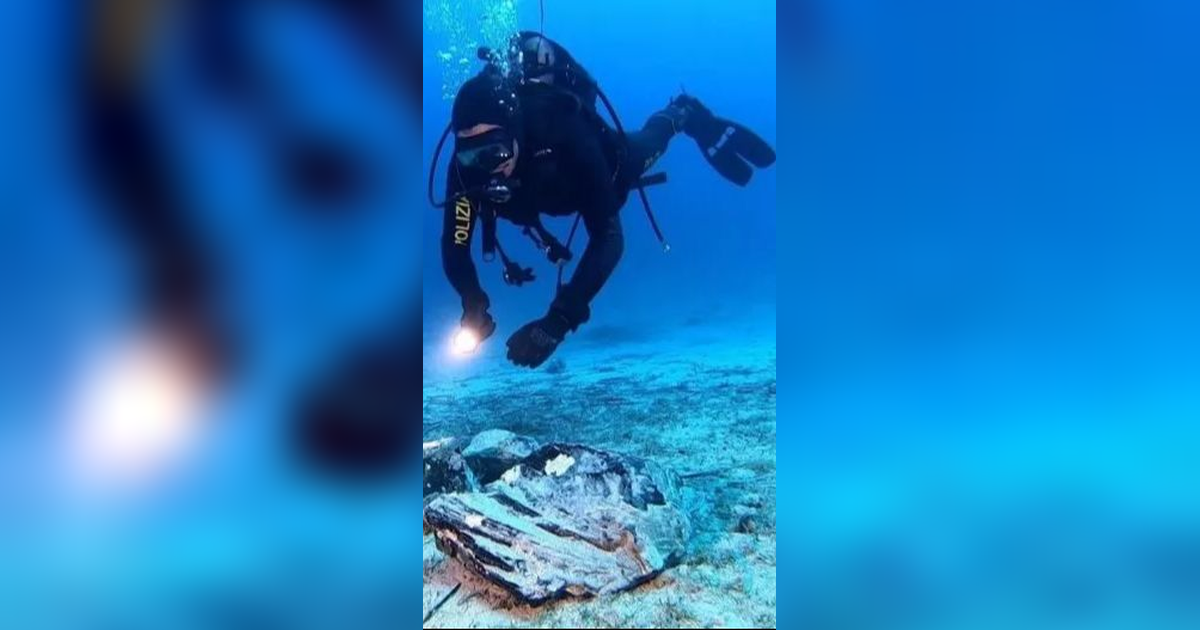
528 141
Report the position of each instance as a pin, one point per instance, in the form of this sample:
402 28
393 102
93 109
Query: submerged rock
565 520
491 453
445 468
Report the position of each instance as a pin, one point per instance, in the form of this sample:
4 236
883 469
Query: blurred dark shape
218 45
358 421
323 172
143 204
320 172
141 198
361 416
125 152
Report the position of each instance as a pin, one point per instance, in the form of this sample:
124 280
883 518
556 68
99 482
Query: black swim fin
729 147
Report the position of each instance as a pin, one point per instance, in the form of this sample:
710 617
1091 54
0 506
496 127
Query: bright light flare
137 413
465 341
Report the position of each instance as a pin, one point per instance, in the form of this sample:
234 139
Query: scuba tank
539 59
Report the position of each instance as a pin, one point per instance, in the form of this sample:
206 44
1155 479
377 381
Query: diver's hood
485 99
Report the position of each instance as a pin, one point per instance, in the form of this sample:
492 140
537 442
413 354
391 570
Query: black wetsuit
569 161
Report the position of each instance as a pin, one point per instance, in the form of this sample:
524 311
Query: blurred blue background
990 344
227 527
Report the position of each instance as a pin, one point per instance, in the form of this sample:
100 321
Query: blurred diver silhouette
125 150
360 416
125 154
528 141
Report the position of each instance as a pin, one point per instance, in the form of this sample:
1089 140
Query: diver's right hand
479 321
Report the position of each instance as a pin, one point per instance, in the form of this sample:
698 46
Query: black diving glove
536 341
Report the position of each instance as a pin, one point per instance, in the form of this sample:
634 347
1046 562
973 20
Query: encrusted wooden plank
565 520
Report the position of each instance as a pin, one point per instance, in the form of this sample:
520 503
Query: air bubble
460 25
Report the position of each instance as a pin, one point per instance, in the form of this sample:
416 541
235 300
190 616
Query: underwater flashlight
464 342
137 412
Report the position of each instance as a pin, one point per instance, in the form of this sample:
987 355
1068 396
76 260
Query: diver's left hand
536 341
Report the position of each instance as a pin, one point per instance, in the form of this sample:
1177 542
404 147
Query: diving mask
485 153
483 159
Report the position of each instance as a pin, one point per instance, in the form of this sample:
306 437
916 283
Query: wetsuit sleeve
606 244
600 208
458 228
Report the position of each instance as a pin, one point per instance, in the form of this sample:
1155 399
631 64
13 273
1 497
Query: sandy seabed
701 402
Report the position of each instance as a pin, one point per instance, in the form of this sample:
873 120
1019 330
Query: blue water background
990 333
